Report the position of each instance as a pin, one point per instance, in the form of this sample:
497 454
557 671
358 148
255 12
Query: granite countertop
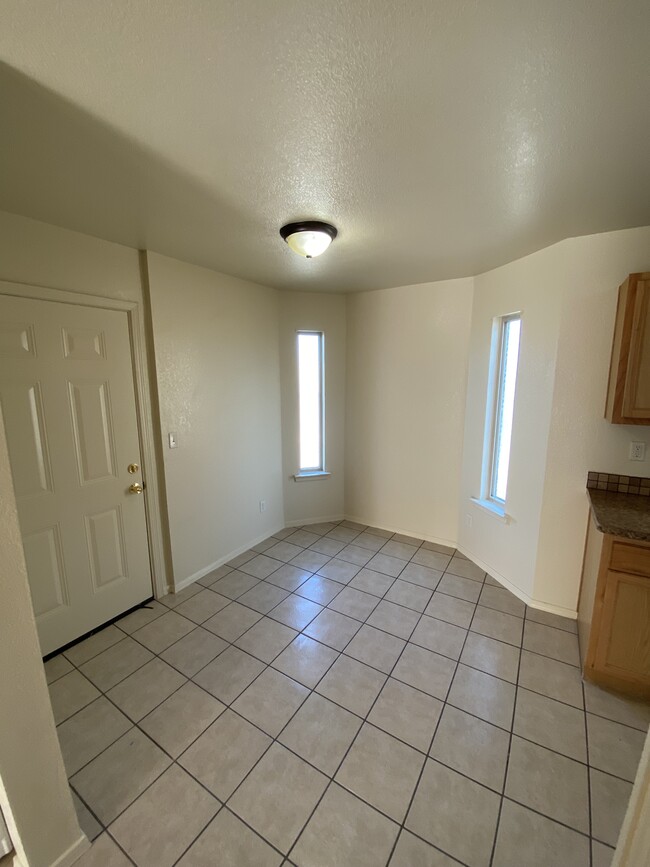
617 514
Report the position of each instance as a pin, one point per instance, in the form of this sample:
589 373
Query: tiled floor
342 696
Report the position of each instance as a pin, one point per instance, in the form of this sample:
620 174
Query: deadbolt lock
133 468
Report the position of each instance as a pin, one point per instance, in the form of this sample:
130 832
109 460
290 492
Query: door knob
136 488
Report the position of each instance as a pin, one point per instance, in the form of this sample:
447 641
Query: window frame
312 472
494 418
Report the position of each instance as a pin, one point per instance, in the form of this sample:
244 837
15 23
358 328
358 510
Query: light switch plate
173 442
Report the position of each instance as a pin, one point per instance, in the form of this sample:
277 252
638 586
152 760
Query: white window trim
306 476
313 472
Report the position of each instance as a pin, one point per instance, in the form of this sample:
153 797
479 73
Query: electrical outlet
637 451
262 505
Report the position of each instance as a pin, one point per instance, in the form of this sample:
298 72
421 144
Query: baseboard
437 540
73 853
516 591
308 521
185 582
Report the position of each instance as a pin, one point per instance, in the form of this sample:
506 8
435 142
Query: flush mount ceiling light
309 238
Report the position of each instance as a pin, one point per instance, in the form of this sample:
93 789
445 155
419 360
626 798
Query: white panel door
68 400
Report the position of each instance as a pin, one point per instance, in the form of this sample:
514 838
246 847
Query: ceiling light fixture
309 238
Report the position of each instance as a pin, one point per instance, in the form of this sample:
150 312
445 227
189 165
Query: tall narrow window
502 388
310 392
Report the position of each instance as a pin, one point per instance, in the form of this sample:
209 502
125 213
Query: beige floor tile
387 565
284 551
261 566
157 636
310 561
493 657
327 547
102 640
551 723
407 713
554 643
319 589
355 554
345 831
397 620
192 652
381 770
473 747
496 624
463 822
229 674
263 546
343 534
84 735
266 639
526 838
548 619
450 609
116 663
401 550
89 824
214 576
614 748
370 541
141 616
465 568
413 852
601 856
320 733
179 720
225 753
235 584
288 577
56 668
117 776
104 853
270 701
461 588
69 694
437 560
146 688
303 538
439 636
306 660
609 799
164 821
334 629
549 783
617 708
244 557
352 684
295 611
339 570
372 582
174 599
284 532
232 622
236 844
278 796
501 600
354 603
202 606
263 597
375 648
422 576
409 595
441 549
425 670
484 696
552 678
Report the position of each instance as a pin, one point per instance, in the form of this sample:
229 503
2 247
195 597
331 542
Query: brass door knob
136 488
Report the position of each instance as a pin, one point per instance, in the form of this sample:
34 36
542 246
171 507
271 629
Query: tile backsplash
619 484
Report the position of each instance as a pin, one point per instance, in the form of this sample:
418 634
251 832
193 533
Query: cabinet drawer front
630 558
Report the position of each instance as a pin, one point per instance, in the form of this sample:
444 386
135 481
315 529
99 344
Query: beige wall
407 369
567 295
316 499
217 365
34 794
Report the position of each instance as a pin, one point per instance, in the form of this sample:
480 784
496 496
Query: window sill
304 477
491 508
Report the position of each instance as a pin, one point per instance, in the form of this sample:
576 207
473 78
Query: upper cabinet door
628 396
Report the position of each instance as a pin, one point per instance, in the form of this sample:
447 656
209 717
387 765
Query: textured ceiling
441 137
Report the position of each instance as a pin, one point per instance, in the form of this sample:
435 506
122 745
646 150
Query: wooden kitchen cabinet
614 613
628 394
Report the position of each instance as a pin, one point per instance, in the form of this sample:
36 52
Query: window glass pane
505 407
309 385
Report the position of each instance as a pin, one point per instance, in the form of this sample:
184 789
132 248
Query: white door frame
137 335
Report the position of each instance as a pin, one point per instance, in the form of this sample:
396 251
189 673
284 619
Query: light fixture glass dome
309 238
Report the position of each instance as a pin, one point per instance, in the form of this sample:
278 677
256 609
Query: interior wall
567 295
216 344
407 370
314 499
34 793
